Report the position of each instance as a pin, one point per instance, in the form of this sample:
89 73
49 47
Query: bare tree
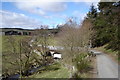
19 59
41 39
86 33
24 55
74 39
68 38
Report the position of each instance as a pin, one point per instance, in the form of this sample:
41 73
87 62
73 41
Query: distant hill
20 31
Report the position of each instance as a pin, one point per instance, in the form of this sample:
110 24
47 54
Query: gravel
106 67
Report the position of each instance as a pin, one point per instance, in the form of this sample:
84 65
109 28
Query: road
106 67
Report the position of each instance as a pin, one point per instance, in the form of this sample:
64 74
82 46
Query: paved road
106 67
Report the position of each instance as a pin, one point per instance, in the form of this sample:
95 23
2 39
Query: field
11 43
51 40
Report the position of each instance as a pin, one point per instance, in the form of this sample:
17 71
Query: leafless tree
19 60
74 39
41 38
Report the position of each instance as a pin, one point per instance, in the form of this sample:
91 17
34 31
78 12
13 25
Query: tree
92 13
87 33
25 55
105 24
75 39
16 60
41 38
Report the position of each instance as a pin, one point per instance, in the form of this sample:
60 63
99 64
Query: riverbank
53 71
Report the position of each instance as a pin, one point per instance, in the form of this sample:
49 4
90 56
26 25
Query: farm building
54 54
57 55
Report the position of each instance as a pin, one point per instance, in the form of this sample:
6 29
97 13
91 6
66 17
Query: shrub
81 62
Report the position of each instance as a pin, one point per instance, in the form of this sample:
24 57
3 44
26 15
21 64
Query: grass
49 40
52 41
85 66
9 41
53 71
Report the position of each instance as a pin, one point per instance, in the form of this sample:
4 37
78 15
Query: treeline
105 20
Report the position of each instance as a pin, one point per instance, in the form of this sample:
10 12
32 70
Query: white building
57 56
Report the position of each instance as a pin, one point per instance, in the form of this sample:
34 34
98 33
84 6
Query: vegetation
81 63
106 24
55 70
99 28
106 27
21 57
18 55
76 41
12 54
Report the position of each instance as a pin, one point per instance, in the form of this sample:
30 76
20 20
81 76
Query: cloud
85 0
78 14
59 0
41 8
35 0
61 16
94 3
11 19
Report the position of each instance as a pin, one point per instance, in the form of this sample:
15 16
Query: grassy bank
53 71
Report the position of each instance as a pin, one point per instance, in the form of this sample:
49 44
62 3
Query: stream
27 73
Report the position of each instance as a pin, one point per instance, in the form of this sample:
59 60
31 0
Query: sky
32 14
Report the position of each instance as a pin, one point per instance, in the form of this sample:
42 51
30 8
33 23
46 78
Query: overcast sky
30 15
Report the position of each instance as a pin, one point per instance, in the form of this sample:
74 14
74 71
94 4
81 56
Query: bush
81 62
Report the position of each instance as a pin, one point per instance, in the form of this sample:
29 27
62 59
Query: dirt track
106 67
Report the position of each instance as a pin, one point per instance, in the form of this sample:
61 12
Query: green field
8 42
49 40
